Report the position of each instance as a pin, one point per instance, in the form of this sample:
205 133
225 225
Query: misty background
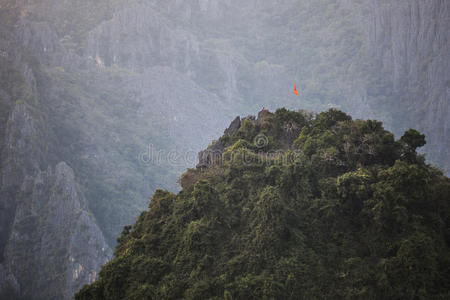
87 86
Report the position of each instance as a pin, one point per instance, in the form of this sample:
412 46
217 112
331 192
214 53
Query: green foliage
330 118
341 216
411 140
279 130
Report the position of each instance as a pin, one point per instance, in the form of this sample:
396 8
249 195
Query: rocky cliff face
410 44
50 244
53 223
143 35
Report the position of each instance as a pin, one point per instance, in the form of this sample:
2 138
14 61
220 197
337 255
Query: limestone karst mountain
95 86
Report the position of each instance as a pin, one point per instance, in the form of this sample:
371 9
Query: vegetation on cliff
343 211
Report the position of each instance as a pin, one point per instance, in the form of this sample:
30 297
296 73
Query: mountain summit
292 205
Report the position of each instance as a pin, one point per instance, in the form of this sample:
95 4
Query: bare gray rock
53 233
51 244
212 155
410 43
234 126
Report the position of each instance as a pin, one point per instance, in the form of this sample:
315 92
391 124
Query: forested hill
291 205
89 88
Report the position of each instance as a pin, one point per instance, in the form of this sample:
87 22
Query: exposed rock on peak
264 116
210 156
234 126
213 153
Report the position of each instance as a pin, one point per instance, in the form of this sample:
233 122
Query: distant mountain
292 206
123 93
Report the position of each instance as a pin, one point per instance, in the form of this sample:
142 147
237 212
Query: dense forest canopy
298 206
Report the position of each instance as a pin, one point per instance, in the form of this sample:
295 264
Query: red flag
295 90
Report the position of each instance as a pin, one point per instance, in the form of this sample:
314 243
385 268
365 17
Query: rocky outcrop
234 126
50 245
55 245
213 154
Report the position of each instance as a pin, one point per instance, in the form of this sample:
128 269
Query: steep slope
292 206
111 83
54 224
410 45
50 244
